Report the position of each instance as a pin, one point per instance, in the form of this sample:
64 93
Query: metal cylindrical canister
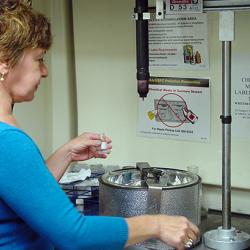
127 193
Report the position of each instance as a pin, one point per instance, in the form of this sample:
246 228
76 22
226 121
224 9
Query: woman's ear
3 71
4 68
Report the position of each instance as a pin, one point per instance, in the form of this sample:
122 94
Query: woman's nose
44 70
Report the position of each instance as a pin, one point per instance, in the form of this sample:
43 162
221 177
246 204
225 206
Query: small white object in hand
104 143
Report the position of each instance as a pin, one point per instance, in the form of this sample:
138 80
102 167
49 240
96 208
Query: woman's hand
87 146
81 148
176 231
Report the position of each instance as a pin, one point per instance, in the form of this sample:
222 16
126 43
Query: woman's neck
6 107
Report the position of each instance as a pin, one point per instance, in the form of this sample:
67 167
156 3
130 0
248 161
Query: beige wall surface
107 100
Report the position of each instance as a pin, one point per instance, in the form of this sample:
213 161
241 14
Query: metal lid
159 177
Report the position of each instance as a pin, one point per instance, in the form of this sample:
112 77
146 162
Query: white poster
176 108
241 95
179 42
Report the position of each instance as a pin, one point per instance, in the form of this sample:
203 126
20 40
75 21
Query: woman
34 212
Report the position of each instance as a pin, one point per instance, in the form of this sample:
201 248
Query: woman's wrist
66 152
153 222
142 228
59 161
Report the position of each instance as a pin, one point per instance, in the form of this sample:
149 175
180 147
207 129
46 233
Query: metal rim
117 186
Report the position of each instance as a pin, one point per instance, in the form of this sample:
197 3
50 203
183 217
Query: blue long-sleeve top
35 213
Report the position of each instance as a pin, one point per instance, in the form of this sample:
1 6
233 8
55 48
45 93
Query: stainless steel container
148 190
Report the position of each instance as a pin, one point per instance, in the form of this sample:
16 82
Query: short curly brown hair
21 27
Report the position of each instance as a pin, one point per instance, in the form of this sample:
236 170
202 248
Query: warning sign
176 108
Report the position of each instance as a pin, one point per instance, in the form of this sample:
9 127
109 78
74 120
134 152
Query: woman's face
24 78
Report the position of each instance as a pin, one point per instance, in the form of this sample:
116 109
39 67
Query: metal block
146 16
226 26
135 16
159 9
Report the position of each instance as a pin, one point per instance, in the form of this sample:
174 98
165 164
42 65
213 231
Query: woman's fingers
97 140
97 136
194 232
99 153
178 231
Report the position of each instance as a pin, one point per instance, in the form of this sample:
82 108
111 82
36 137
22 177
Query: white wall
63 89
212 198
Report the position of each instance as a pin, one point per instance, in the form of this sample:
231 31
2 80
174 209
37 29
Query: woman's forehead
35 51
30 53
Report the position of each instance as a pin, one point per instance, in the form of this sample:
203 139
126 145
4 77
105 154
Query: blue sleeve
31 191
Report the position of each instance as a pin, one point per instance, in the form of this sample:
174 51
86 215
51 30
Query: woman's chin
30 98
25 99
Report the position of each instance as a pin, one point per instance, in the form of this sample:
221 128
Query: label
184 6
179 42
